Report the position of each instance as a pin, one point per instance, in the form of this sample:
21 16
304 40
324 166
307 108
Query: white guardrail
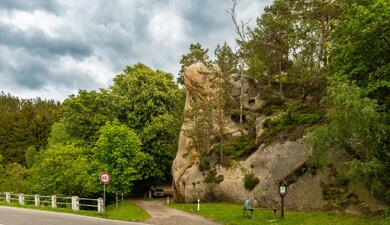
75 202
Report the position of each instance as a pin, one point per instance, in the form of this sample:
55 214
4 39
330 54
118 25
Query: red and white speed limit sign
105 178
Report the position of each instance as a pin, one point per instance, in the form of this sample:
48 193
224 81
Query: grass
231 214
126 211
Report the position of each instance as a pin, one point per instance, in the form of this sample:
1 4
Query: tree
159 139
118 151
142 93
226 59
86 112
25 123
241 30
14 178
361 47
196 54
63 170
352 117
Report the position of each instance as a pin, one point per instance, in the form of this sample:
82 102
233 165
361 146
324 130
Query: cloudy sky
52 48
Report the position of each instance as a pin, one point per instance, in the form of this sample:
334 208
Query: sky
53 48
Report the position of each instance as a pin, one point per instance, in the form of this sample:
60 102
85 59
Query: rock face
271 164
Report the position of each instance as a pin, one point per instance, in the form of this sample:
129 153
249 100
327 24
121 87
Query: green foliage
59 135
24 123
204 163
160 138
353 116
85 113
14 178
143 99
196 54
226 60
250 181
63 170
143 93
362 47
118 151
240 147
31 155
213 178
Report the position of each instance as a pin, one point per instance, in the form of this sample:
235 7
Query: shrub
213 178
250 181
308 118
240 147
204 163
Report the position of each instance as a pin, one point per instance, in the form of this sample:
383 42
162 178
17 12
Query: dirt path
163 215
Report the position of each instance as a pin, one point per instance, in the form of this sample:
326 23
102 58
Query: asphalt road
20 216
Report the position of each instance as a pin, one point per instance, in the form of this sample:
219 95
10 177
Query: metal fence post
75 203
100 205
54 201
8 197
21 199
37 200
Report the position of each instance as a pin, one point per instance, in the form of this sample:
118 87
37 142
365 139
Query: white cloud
51 48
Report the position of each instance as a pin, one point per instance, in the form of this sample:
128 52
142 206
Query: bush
204 163
240 147
308 118
213 178
250 181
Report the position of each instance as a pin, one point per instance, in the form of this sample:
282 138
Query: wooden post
54 201
21 199
75 203
282 207
37 200
198 204
8 197
100 205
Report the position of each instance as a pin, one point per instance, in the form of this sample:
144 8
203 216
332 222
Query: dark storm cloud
47 5
206 19
33 72
41 43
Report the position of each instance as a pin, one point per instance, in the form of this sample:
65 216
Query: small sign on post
282 193
104 179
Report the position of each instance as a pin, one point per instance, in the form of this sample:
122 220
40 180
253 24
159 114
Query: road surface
20 216
162 215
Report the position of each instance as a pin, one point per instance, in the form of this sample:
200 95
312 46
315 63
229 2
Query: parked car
158 192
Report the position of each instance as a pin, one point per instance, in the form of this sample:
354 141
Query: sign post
282 192
104 179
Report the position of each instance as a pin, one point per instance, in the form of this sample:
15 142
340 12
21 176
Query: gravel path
163 215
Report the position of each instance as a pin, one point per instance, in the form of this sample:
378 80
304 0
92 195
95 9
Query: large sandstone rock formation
272 164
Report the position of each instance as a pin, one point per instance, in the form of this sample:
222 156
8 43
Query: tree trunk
280 77
116 200
221 126
241 93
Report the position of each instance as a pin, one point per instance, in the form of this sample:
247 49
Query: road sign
105 178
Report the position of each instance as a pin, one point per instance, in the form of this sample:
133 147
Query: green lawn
231 214
126 211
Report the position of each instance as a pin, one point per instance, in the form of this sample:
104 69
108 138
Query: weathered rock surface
272 164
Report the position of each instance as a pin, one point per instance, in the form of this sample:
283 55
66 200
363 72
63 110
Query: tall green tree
86 112
361 47
159 139
118 151
196 54
357 99
142 93
25 123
